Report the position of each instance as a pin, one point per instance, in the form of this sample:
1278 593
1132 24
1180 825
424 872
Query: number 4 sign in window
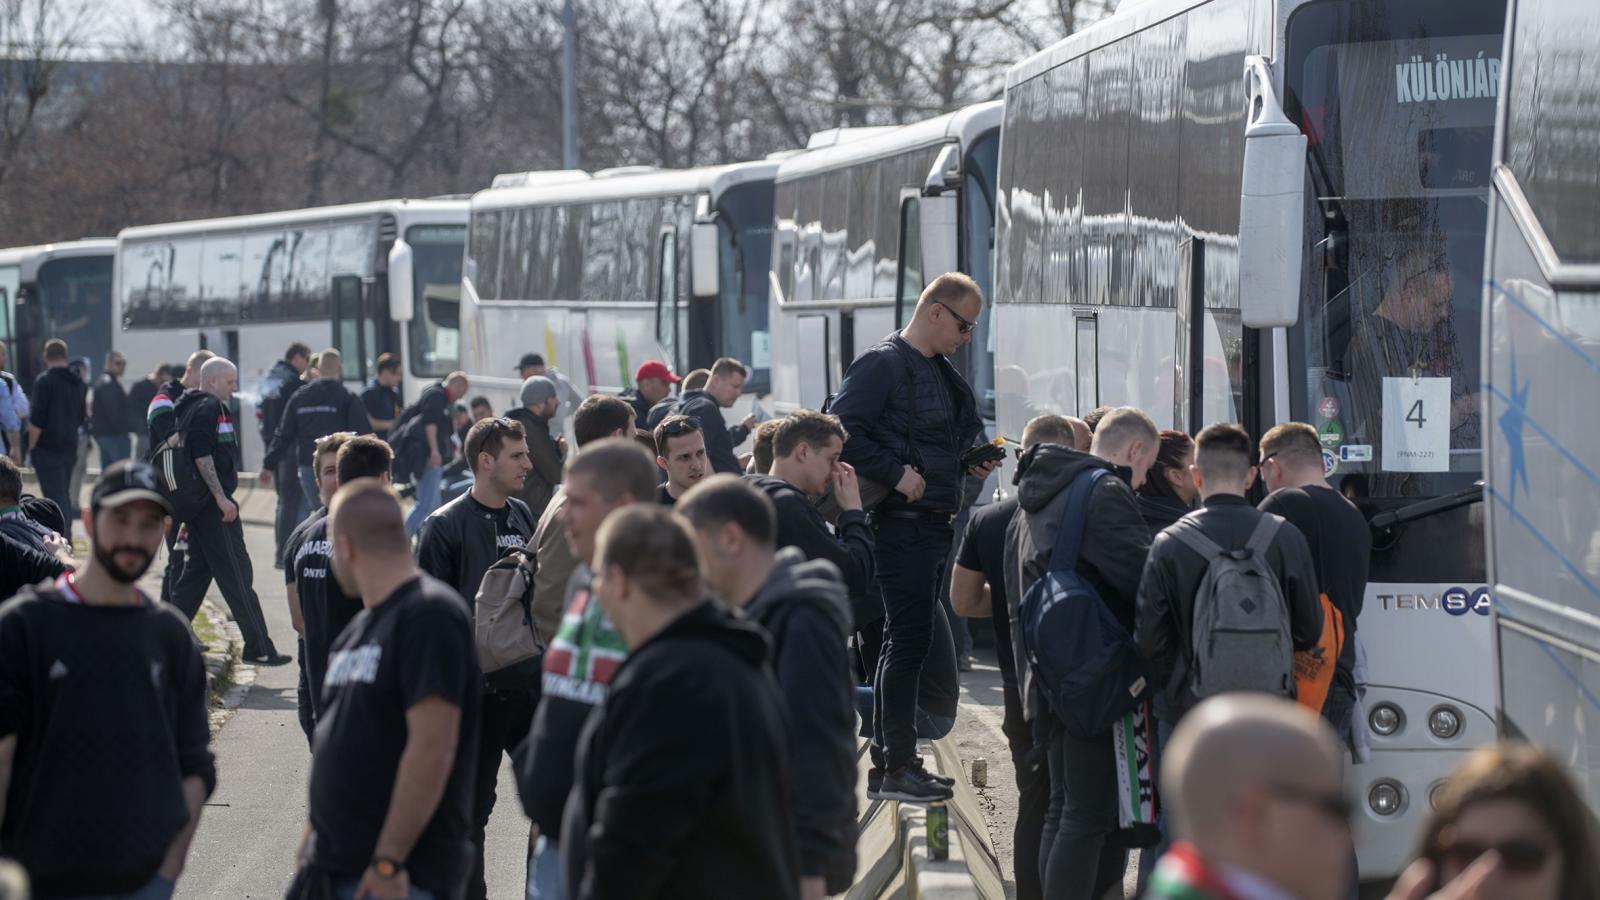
1416 424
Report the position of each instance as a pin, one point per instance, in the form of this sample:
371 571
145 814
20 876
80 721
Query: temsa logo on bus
1457 601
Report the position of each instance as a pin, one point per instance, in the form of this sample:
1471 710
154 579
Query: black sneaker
911 785
945 780
269 657
874 781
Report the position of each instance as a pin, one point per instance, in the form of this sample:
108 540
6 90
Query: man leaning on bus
910 416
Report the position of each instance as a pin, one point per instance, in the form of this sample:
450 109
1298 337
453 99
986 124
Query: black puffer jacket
720 439
802 606
878 411
457 545
683 774
1115 538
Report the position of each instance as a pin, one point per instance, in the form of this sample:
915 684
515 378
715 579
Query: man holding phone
913 423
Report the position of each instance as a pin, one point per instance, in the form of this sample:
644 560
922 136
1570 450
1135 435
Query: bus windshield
1397 102
436 286
745 226
72 301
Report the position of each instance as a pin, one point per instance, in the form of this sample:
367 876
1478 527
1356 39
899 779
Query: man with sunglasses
910 417
1252 786
681 451
459 542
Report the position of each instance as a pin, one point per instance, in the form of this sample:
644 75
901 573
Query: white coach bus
365 278
600 273
1257 211
864 219
58 290
1541 378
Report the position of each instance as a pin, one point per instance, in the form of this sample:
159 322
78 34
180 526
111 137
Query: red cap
654 368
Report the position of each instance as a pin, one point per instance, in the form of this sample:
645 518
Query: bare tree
36 36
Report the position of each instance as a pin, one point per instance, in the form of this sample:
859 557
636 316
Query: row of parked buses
1382 218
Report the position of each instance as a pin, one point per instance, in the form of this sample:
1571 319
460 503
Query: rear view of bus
1542 377
1265 211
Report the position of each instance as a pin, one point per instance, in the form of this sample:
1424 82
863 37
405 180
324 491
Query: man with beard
91 670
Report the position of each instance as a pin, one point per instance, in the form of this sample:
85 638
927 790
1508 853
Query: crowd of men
679 648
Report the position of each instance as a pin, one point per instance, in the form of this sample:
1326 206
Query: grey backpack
503 626
1239 640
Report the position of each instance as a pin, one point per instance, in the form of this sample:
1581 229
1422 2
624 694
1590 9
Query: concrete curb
228 677
892 852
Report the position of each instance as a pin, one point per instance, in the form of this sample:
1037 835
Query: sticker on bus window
760 350
1416 424
1355 453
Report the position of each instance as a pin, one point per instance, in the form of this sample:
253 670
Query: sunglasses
961 321
1334 806
1519 856
328 437
679 427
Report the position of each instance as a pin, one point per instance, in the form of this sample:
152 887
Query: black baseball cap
530 359
126 482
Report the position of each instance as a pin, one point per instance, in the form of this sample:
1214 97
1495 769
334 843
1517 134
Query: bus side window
910 257
667 296
349 334
1088 360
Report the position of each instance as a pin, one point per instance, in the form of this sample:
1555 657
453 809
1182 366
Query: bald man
216 537
391 773
1253 786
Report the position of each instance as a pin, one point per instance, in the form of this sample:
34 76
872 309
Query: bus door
357 325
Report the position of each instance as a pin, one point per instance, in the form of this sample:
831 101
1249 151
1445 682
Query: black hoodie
803 607
58 410
208 430
161 414
683 774
850 546
1115 538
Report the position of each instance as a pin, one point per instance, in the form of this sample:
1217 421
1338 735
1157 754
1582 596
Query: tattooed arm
208 474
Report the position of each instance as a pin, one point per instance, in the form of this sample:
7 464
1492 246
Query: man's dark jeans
1076 863
291 500
217 550
1033 796
54 470
505 719
911 556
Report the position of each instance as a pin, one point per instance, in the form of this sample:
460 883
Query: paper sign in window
1416 424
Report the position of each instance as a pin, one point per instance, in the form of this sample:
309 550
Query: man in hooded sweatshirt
540 402
56 417
683 778
802 604
1083 780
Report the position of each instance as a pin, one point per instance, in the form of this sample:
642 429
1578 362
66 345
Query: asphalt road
252 824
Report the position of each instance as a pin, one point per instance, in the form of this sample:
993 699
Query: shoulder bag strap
1261 539
1069 531
1193 538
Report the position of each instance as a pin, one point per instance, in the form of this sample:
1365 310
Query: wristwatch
386 867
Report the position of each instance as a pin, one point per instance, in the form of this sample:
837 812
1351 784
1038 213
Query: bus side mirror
402 302
704 262
1271 207
938 223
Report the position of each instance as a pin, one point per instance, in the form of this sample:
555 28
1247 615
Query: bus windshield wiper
1431 507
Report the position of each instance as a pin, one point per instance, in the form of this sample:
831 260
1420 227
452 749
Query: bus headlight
1386 719
1386 798
1444 722
1433 795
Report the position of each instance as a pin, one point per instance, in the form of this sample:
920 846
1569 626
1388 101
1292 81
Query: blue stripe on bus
1567 342
1549 438
1548 545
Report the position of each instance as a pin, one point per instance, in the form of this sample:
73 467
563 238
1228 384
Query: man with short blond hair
911 418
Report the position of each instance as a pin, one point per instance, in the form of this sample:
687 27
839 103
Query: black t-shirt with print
415 645
506 536
324 606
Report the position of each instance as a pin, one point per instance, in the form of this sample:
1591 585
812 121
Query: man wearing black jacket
59 400
109 423
161 418
684 773
722 390
459 543
321 408
802 606
653 382
216 536
277 388
1083 794
911 416
139 397
104 735
539 405
805 465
